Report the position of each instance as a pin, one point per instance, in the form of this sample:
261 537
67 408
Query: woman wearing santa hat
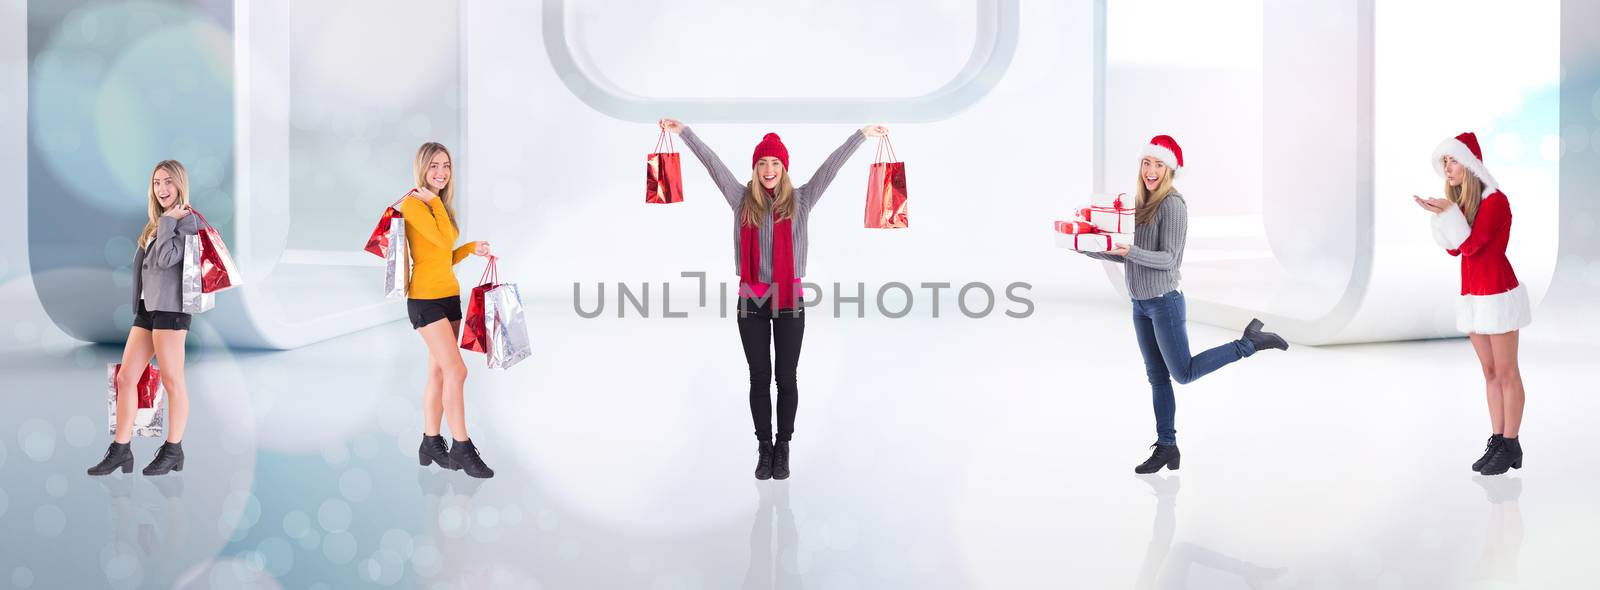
1473 221
770 241
1161 225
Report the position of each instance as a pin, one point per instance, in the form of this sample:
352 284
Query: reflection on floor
930 453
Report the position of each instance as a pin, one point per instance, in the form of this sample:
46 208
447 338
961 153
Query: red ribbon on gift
1092 242
1120 222
1074 227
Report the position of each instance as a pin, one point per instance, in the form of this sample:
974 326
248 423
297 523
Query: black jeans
757 326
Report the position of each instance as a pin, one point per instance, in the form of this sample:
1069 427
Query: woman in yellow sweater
434 304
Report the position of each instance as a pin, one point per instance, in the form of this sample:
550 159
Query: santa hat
771 145
1464 148
1164 148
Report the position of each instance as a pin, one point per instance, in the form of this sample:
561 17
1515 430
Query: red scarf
782 260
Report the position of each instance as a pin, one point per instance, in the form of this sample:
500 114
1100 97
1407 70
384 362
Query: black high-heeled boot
780 460
1163 456
1488 451
1505 458
433 450
118 456
464 456
1263 340
169 458
764 460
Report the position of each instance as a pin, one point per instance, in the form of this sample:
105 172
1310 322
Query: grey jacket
805 197
1156 254
160 266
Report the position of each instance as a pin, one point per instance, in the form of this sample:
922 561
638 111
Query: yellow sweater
430 235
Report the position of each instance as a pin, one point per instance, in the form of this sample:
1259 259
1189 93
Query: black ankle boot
1488 451
764 461
1505 458
464 456
780 460
1263 340
118 455
169 458
1162 456
433 450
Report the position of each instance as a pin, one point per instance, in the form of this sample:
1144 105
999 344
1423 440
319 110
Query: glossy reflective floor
931 453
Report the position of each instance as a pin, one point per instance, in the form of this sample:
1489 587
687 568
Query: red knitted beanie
773 146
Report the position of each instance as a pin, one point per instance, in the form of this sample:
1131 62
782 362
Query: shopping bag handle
396 204
664 139
196 213
491 273
883 144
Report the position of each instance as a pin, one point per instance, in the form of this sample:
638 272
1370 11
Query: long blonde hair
1148 202
425 155
756 205
1467 196
153 210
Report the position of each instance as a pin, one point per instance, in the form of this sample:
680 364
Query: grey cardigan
1156 253
805 197
160 266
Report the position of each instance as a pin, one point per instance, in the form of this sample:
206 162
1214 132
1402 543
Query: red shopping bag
474 331
886 191
149 382
217 271
663 181
379 242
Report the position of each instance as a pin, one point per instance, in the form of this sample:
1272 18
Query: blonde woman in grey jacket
1160 314
159 324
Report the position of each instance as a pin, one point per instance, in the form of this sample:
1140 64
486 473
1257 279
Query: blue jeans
1164 342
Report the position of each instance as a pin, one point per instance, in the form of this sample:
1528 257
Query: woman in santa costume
1473 221
770 242
1161 225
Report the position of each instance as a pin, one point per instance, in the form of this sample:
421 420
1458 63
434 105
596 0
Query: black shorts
427 311
159 320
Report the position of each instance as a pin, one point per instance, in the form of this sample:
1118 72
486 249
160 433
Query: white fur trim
1450 228
1165 155
1454 148
1494 314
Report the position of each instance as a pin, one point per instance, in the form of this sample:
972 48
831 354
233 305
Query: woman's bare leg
440 336
1510 378
169 356
135 357
1482 345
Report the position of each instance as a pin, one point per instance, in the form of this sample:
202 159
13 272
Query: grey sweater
1157 251
159 267
805 196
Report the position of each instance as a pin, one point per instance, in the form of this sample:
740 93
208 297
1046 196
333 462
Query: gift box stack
1096 228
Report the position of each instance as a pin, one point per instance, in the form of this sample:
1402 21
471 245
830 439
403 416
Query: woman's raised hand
875 130
1434 206
178 212
423 193
482 249
672 126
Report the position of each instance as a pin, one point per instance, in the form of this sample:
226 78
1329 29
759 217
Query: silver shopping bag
149 417
396 262
195 299
507 327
